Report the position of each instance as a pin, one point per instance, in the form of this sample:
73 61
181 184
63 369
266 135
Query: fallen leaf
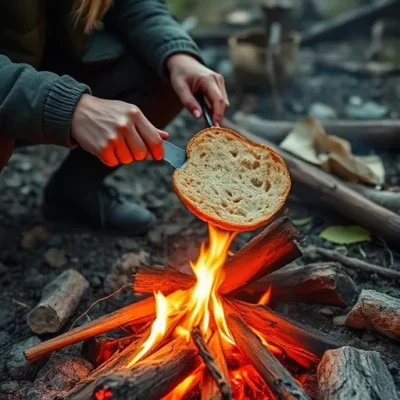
56 258
309 141
345 234
302 221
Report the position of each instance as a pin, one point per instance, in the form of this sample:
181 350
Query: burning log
303 344
60 298
376 311
342 24
274 247
322 283
332 191
378 134
150 379
217 370
278 379
349 373
316 253
137 313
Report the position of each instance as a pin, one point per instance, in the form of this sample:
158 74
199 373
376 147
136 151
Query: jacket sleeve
36 106
150 29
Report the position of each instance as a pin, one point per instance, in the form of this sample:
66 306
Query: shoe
100 207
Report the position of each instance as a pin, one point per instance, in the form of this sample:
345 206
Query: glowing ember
201 306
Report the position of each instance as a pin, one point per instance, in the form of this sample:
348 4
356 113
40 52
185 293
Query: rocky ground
29 260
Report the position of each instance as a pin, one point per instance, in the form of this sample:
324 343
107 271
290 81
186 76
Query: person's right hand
115 132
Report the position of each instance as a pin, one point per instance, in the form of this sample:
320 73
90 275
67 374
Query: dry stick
278 379
379 134
303 344
149 379
272 249
362 16
136 313
211 365
209 389
323 283
316 253
332 191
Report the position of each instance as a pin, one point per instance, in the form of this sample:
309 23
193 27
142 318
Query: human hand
115 132
188 76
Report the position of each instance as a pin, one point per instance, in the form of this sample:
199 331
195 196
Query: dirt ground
177 234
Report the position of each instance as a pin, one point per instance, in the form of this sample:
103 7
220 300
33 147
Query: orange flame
266 297
202 306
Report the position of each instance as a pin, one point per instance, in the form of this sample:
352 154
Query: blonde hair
90 12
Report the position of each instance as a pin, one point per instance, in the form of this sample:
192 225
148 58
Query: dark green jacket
37 106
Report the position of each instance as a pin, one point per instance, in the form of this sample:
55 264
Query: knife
175 155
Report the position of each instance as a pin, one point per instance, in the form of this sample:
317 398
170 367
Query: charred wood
150 379
278 379
376 311
321 283
303 344
216 371
357 374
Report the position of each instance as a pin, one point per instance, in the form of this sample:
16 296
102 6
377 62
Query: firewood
149 379
347 22
274 247
349 373
303 344
383 135
376 311
321 283
278 379
332 191
389 200
139 312
60 298
215 370
312 253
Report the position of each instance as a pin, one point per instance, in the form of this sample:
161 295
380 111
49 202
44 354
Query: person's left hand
188 76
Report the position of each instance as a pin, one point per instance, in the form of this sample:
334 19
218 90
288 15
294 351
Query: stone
322 112
35 237
60 298
325 311
13 390
339 320
359 110
16 365
56 258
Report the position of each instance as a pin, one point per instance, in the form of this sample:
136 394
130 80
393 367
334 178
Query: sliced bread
231 182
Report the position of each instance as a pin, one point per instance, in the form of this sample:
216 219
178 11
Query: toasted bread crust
213 218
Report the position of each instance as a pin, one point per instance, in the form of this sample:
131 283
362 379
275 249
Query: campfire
194 337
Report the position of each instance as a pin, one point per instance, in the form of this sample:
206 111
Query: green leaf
302 221
346 234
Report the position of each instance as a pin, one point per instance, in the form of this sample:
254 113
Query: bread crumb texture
231 182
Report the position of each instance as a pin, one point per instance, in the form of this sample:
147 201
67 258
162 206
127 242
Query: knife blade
175 155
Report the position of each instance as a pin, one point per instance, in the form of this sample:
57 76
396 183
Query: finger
184 93
108 157
135 143
164 135
151 136
215 98
122 151
221 84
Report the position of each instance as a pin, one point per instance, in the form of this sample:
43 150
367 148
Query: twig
316 253
223 385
